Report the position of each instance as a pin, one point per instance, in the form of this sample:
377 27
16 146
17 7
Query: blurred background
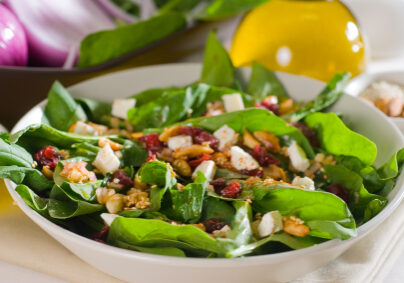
73 40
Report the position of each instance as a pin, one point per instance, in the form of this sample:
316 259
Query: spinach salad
217 168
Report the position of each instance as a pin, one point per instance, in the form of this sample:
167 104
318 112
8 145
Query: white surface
267 268
13 274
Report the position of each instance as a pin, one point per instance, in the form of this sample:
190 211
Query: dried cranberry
152 143
263 157
102 235
218 184
200 136
213 224
255 172
340 191
199 160
122 178
308 132
268 105
232 190
151 158
48 156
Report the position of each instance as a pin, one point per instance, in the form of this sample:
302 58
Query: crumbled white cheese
208 168
241 160
222 233
84 129
298 157
179 142
120 107
226 136
108 218
306 183
233 102
382 89
270 223
106 161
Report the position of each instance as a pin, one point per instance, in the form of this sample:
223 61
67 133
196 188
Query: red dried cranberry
213 224
48 156
152 143
218 184
151 158
199 136
263 157
199 160
340 191
255 172
308 132
102 235
268 105
122 178
232 190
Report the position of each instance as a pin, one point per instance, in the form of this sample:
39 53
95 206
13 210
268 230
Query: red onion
13 43
54 28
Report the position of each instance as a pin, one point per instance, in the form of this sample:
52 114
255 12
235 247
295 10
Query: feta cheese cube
270 223
84 129
108 218
233 102
226 136
179 142
208 168
241 160
298 157
306 183
106 161
120 107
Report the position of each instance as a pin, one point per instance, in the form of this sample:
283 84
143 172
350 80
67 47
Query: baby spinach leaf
186 205
159 174
96 110
247 119
65 203
360 198
327 97
217 208
264 83
338 139
220 9
180 5
153 94
295 243
61 110
156 233
134 155
105 45
35 137
326 214
32 199
217 67
13 154
27 176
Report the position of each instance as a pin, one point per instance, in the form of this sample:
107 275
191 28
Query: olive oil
316 38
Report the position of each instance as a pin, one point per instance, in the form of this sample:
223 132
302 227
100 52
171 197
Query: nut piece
115 203
222 161
76 172
48 173
182 167
295 227
114 146
383 105
103 194
269 140
395 107
249 140
137 198
275 172
169 132
192 151
285 106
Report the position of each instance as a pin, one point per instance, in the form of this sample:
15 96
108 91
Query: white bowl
139 267
360 83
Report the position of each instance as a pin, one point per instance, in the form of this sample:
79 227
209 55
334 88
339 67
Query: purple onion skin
13 42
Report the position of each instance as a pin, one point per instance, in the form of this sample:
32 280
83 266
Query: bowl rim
188 261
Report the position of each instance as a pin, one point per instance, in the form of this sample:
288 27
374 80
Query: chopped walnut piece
269 140
249 140
275 172
295 227
137 198
286 106
182 167
222 160
169 132
114 146
192 151
76 172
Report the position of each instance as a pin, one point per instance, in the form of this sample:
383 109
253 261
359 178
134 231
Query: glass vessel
316 38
